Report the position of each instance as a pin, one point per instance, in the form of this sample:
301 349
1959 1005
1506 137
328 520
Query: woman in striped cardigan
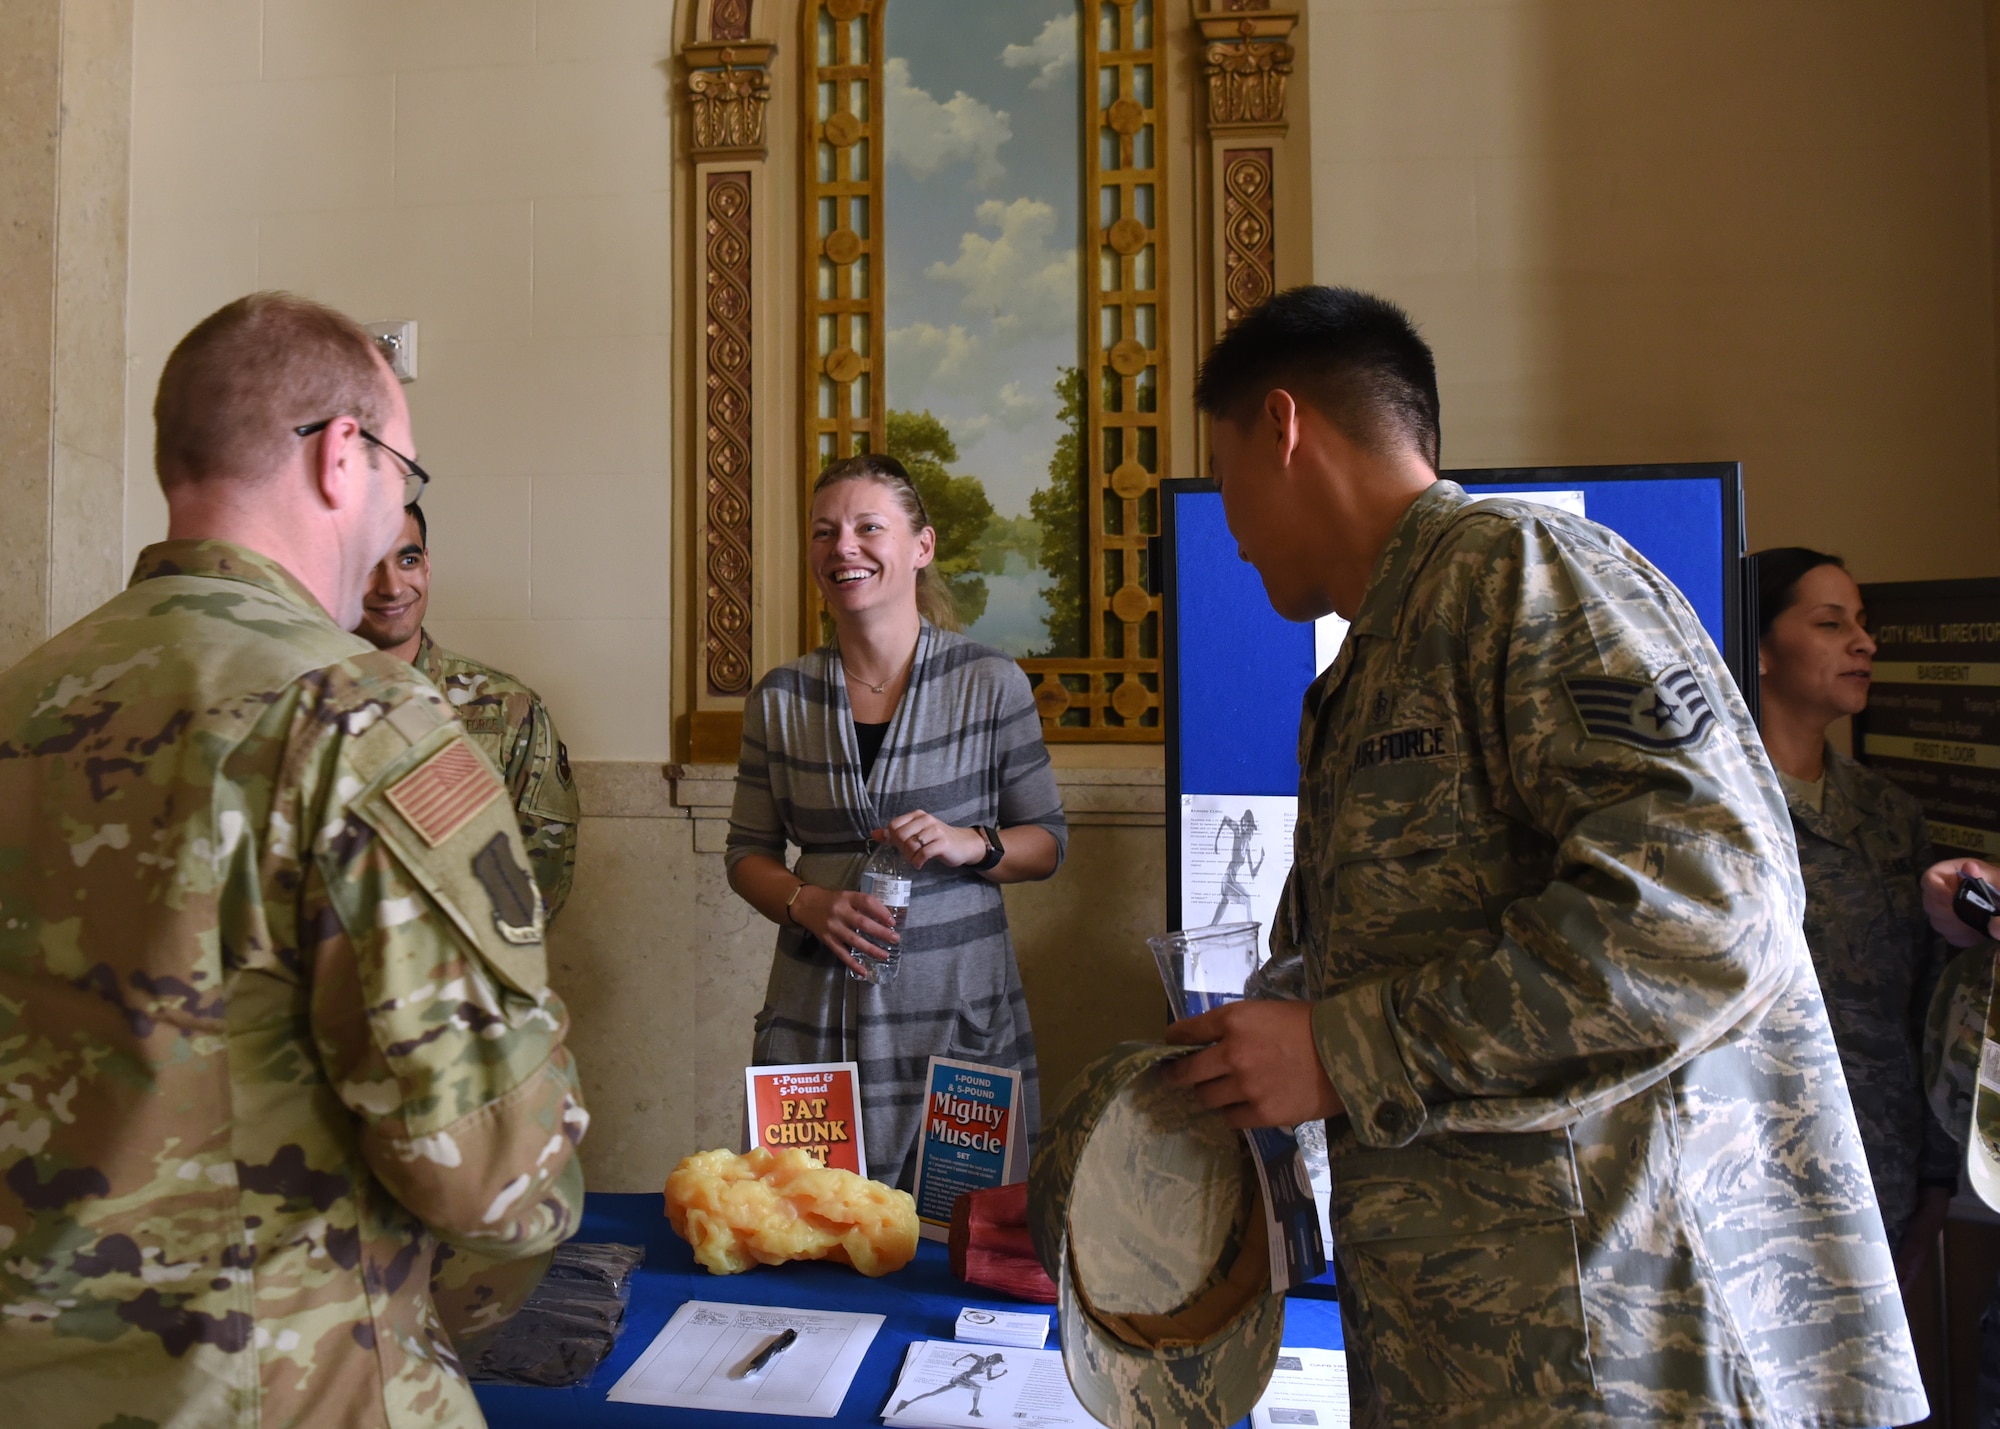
898 729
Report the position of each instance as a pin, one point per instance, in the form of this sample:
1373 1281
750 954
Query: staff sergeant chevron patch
1668 712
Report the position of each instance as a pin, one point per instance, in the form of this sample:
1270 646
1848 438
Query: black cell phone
1976 903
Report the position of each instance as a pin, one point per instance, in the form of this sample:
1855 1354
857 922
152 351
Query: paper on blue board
1236 850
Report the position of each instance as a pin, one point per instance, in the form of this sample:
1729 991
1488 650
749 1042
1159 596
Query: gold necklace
878 689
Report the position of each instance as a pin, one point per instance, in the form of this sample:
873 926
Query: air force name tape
1145 1210
1667 712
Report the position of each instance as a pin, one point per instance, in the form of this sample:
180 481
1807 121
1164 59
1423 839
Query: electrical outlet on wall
397 340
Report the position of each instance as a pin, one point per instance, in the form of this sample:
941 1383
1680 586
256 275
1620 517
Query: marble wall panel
65 178
30 89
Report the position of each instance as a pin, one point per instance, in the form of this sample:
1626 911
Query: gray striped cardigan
964 745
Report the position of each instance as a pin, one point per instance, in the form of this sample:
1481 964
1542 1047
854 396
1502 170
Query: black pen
769 1353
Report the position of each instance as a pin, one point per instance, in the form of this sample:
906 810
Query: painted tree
1058 509
958 505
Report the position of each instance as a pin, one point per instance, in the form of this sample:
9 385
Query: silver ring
924 840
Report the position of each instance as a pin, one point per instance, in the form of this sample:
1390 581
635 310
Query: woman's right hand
850 925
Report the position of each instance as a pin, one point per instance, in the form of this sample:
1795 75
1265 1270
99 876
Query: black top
870 737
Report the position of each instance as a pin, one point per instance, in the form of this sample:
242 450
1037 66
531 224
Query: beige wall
65 125
1757 230
1711 229
30 94
497 170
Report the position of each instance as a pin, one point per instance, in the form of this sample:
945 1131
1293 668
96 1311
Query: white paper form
1329 634
1235 852
692 1362
1308 1388
947 1385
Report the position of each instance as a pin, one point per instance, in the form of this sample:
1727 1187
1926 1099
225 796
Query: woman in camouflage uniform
1862 849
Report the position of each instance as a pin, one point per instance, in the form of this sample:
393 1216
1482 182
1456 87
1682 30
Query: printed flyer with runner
947 1385
971 1138
814 1105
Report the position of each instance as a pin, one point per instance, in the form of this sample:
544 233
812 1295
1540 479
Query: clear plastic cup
1205 967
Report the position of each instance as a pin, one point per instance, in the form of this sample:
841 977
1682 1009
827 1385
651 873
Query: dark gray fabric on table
964 745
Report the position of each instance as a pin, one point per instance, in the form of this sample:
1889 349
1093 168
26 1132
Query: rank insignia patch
1668 712
443 794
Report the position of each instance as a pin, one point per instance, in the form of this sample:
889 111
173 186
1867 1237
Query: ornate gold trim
1249 254
726 439
1246 62
1113 693
728 88
729 20
843 398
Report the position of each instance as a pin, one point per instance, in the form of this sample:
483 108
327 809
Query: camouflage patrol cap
1145 1211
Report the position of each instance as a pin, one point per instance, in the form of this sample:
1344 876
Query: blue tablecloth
921 1302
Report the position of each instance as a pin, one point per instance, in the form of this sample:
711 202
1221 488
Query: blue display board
1236 671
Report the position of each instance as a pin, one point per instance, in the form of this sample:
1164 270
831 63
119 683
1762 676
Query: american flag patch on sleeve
1667 712
444 793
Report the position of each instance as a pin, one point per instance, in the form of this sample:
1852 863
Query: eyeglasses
415 478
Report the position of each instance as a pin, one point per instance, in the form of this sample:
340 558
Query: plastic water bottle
888 877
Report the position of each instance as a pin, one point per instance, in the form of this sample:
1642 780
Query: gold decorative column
1248 54
1112 694
844 395
728 87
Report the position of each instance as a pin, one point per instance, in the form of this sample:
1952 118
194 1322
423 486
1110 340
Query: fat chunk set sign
815 1106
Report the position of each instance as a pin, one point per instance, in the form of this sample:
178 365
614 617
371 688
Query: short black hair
1778 573
1355 357
423 526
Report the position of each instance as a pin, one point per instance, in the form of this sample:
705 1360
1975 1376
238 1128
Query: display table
921 1302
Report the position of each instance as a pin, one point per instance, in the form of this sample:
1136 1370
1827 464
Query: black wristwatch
994 852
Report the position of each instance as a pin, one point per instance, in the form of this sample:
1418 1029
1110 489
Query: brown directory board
1933 717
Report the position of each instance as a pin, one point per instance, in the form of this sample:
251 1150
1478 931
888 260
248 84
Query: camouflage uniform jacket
509 722
1598 1165
1861 853
273 1015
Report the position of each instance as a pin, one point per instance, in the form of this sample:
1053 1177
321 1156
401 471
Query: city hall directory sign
1933 717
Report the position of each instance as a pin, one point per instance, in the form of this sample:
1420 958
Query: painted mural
982 220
